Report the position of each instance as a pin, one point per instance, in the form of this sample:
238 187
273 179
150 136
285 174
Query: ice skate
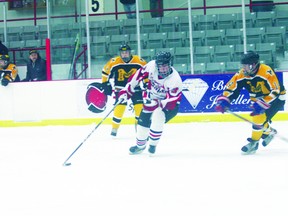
152 149
114 132
136 149
251 147
267 138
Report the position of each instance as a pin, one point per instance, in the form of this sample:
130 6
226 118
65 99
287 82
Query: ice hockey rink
197 170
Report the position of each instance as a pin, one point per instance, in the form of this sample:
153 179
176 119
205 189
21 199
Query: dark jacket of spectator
36 71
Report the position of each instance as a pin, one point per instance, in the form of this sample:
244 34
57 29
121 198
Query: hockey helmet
125 52
164 61
4 60
250 62
95 98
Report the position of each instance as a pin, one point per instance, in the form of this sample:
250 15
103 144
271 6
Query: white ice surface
198 170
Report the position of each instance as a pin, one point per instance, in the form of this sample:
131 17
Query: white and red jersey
167 90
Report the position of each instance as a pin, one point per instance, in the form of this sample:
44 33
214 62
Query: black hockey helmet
5 59
250 57
250 62
164 58
124 48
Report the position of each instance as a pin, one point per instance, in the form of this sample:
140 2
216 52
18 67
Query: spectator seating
203 54
97 28
182 55
29 32
197 37
115 42
206 22
61 31
169 24
214 37
112 27
81 29
147 54
215 67
199 68
249 20
176 39
150 25
183 23
223 32
255 35
181 68
13 33
266 52
42 32
277 35
133 40
281 19
232 67
156 40
129 26
264 19
223 53
233 36
225 21
99 45
33 43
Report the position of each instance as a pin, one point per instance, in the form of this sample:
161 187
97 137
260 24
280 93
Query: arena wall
64 102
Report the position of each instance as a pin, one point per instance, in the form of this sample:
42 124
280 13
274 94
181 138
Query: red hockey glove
259 107
222 104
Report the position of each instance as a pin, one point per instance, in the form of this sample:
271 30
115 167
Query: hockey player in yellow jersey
267 95
9 71
121 68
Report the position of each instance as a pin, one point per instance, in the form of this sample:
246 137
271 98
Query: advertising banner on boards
201 91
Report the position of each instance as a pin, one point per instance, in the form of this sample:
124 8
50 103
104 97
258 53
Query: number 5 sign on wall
96 6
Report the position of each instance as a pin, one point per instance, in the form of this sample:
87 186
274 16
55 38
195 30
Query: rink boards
64 102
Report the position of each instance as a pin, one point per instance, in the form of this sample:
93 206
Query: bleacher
217 39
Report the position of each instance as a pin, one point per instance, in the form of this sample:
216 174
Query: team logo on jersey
95 98
194 90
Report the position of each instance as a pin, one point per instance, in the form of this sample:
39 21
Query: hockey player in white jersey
162 90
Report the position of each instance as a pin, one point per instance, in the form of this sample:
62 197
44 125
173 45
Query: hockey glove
222 104
107 88
5 81
259 107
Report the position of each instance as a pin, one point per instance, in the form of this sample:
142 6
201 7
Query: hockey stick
66 161
76 48
247 120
